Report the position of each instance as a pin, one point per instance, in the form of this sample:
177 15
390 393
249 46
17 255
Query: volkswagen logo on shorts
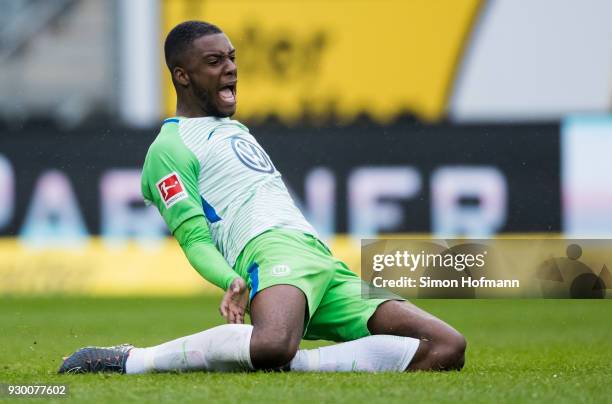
252 156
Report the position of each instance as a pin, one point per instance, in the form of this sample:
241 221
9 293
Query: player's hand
234 302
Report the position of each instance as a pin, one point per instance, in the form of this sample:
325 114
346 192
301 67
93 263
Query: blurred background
445 118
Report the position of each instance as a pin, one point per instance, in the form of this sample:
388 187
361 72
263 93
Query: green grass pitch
518 351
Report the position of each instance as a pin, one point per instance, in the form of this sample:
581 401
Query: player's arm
170 182
194 238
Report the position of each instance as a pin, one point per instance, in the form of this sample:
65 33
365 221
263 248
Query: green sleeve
170 179
194 237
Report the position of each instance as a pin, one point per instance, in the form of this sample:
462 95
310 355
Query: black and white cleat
93 359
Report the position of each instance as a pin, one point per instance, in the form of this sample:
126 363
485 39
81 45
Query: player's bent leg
374 353
277 315
441 346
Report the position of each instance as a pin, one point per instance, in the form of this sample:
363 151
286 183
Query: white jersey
242 193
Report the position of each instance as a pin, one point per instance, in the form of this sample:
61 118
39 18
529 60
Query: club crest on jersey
252 156
171 189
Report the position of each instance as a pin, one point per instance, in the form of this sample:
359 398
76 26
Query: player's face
213 74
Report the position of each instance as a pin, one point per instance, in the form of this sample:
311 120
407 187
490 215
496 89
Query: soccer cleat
93 359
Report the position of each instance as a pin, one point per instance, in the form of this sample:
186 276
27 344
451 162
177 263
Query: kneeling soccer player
225 202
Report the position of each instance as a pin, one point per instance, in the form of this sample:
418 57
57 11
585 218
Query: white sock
376 353
225 348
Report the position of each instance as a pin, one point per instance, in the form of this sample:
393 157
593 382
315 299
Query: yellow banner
336 58
544 264
101 269
97 269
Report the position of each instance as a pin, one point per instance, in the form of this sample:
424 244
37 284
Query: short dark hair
181 37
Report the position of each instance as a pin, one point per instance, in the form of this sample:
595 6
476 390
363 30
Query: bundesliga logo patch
171 189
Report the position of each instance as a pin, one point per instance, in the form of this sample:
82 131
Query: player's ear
180 76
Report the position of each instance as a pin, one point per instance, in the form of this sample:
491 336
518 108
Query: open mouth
227 93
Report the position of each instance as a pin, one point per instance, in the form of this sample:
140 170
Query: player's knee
274 351
450 352
277 353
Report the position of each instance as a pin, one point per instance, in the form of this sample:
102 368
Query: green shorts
336 309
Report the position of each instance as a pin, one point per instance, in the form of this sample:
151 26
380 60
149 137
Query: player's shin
377 353
224 348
